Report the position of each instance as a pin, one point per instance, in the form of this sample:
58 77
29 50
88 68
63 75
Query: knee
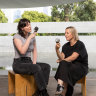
63 63
38 68
48 67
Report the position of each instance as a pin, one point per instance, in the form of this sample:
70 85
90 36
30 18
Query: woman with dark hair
25 44
73 62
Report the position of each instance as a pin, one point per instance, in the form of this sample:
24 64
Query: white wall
51 27
46 44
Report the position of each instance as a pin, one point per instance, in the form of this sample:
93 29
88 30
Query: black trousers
40 71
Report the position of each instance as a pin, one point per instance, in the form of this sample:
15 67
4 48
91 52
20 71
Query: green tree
17 20
55 14
35 16
82 11
3 18
62 12
66 11
86 11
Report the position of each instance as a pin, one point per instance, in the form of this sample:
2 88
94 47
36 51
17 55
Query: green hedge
53 34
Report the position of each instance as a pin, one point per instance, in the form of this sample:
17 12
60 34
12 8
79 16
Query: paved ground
91 85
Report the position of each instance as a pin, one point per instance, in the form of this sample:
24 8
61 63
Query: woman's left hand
34 62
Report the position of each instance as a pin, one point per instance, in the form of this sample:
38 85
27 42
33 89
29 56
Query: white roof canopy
33 3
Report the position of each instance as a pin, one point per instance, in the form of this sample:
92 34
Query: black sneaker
44 93
36 93
59 89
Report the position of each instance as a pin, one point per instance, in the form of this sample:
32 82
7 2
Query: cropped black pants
40 71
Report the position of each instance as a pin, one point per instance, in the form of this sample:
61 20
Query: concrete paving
90 85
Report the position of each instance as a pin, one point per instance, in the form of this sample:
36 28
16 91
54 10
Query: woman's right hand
58 60
57 46
32 35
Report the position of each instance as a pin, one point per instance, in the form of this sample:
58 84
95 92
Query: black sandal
59 90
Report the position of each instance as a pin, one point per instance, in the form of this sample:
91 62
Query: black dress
71 72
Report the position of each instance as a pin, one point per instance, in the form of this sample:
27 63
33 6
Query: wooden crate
21 85
82 81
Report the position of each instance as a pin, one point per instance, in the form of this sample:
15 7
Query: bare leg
60 87
60 82
65 88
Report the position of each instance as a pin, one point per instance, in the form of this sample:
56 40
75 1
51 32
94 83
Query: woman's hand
57 46
58 60
32 35
62 57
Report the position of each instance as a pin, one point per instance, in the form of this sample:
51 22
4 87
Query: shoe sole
58 93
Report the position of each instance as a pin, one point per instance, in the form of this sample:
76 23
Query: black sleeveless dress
71 72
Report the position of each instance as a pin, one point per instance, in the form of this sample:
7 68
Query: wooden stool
21 85
83 85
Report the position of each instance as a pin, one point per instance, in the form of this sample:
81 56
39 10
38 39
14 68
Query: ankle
60 87
44 92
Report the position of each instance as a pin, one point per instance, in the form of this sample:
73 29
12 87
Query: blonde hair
74 32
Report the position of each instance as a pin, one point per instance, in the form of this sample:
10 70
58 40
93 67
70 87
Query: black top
78 47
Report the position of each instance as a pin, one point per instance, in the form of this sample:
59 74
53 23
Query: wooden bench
83 85
21 85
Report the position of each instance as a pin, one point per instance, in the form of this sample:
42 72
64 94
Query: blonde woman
73 62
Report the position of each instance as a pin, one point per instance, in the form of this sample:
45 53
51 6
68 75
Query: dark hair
22 23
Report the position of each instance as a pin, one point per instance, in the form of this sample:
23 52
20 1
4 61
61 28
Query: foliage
82 11
62 12
17 20
2 68
35 16
66 11
86 11
52 34
55 14
4 34
3 18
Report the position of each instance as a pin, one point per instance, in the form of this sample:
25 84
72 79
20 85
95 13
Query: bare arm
34 54
22 48
73 57
63 56
60 55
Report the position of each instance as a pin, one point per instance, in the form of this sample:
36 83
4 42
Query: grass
5 34
2 68
90 69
